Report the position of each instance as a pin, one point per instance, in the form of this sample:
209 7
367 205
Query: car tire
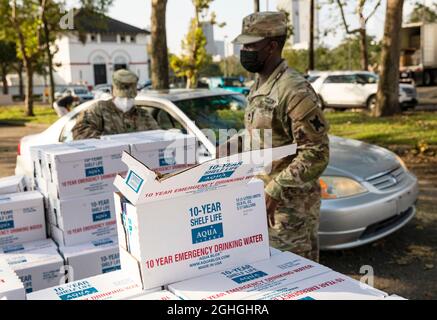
371 103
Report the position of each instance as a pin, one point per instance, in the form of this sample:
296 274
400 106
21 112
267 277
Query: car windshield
232 83
311 79
80 91
217 112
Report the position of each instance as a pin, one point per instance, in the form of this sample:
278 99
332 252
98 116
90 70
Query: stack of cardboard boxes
76 180
24 246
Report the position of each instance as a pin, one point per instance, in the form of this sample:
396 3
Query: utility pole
256 5
311 44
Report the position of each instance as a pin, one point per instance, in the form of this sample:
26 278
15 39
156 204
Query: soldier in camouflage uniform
118 115
282 101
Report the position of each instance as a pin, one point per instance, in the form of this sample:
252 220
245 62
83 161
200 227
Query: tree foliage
423 13
194 55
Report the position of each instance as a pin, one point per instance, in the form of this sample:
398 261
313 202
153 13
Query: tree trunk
50 62
387 102
159 51
255 5
363 50
20 80
311 45
4 80
29 88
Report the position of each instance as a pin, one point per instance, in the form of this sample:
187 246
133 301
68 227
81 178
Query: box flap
142 185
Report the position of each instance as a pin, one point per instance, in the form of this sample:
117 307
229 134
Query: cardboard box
22 218
82 168
13 184
41 175
327 286
11 288
159 295
394 297
114 286
215 213
29 246
160 150
38 267
247 280
274 251
83 219
91 259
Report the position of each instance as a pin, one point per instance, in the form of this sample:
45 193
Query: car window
348 78
80 91
67 131
367 78
233 83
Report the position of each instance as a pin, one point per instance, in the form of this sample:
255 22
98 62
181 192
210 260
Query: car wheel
371 103
427 78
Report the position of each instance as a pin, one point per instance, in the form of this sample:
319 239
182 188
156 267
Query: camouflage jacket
103 118
287 104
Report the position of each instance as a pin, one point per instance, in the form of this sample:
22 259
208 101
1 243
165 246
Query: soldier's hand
271 205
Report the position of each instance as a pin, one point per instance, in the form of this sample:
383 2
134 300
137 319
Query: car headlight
340 187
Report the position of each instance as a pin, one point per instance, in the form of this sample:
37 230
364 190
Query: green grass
15 114
414 129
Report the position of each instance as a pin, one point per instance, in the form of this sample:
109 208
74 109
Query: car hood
358 160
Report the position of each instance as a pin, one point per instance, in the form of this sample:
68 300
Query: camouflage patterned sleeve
310 132
89 124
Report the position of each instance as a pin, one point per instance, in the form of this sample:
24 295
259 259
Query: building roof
86 21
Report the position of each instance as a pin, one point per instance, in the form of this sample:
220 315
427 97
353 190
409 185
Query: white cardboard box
249 279
274 251
84 167
160 150
13 184
83 219
159 295
37 268
29 246
327 286
11 287
114 286
91 259
22 218
201 220
40 178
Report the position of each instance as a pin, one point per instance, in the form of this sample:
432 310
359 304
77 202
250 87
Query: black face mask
250 60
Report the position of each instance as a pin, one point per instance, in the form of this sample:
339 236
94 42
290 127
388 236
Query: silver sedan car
368 193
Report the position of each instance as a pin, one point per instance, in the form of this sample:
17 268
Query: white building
110 46
299 11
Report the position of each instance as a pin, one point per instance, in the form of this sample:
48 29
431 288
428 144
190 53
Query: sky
179 13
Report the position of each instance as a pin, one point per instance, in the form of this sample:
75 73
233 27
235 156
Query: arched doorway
120 62
100 75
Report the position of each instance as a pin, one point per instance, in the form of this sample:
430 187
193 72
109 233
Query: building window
93 38
132 39
120 63
108 37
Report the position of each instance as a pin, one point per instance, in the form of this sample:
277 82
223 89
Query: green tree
194 54
50 17
210 68
423 13
8 56
21 23
361 31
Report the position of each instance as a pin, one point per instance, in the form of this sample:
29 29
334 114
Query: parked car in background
355 89
367 191
101 89
234 84
81 92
